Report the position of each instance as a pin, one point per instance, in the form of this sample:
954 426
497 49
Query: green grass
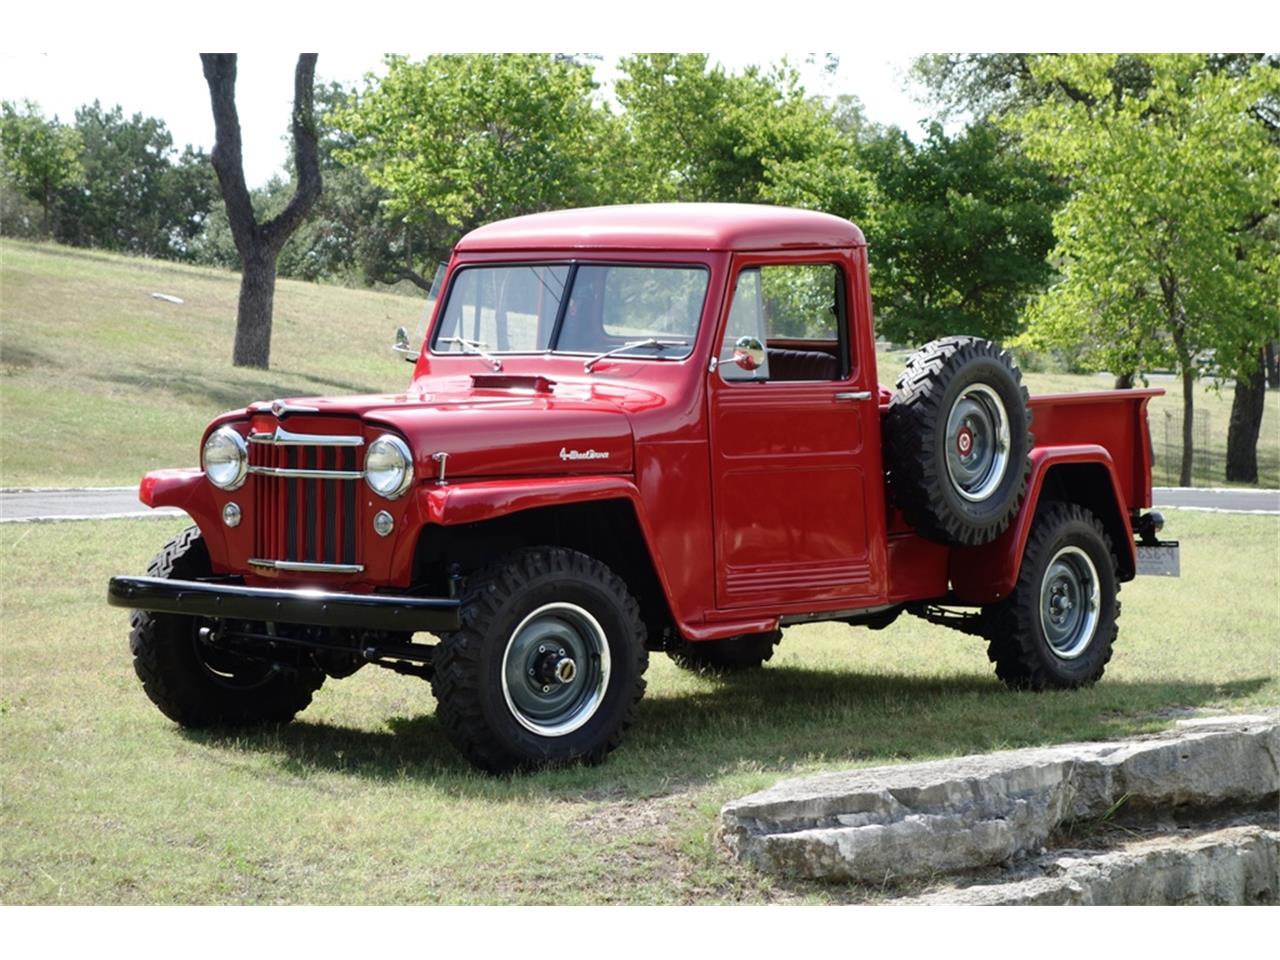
362 800
100 383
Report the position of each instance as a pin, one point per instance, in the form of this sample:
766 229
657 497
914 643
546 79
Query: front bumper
354 611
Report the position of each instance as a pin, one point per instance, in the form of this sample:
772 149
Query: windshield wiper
631 345
473 347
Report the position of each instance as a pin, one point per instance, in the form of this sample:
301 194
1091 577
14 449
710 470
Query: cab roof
666 226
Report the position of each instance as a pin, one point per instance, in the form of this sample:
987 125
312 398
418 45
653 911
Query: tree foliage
1156 264
39 157
960 235
138 194
471 138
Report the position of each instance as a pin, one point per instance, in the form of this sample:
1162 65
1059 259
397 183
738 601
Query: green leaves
1156 265
477 137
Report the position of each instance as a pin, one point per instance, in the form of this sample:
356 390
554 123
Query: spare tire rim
1069 605
555 669
977 442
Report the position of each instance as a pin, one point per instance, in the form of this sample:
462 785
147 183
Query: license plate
1159 559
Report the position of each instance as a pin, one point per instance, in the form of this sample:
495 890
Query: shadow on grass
227 392
776 720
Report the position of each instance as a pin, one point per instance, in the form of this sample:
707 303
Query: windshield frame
573 263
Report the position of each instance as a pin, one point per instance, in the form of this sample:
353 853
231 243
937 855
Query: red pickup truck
635 429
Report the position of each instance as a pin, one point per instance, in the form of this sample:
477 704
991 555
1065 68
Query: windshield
591 309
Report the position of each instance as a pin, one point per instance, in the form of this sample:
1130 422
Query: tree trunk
1272 364
1246 424
259 244
1124 381
1188 419
253 314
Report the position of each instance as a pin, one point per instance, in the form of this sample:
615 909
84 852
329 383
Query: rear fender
1083 474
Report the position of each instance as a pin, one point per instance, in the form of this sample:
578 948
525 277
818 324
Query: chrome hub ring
555 669
1069 603
977 442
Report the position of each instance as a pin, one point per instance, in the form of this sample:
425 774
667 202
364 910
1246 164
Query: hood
490 426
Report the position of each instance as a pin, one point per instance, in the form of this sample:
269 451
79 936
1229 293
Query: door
795 443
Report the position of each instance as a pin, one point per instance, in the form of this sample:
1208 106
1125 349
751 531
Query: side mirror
748 353
402 347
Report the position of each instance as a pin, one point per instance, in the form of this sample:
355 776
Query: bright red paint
754 501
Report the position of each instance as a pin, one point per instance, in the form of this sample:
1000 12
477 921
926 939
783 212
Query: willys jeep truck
628 430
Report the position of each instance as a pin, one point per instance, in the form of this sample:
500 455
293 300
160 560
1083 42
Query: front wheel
1057 627
197 684
548 667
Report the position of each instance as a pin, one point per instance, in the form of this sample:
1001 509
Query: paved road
100 503
105 503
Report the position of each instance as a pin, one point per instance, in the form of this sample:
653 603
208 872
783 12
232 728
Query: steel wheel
977 442
555 669
1069 602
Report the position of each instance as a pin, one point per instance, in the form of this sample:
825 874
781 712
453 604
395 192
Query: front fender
185 488
986 574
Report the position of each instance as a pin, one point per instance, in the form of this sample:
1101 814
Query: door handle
855 395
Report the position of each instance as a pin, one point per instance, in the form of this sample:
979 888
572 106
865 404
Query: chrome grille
305 500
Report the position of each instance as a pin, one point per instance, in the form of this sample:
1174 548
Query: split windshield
586 309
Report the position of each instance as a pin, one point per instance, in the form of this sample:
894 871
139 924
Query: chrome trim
280 407
300 472
441 459
301 567
855 395
283 438
241 447
403 449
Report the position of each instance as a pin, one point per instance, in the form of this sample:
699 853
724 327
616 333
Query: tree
963 225
1152 270
40 157
696 132
259 244
138 194
458 140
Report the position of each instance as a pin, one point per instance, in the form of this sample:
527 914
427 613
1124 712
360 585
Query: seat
802 365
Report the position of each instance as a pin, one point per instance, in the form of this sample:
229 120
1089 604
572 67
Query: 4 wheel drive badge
583 455
964 441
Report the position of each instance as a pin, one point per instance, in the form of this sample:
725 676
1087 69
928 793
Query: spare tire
957 442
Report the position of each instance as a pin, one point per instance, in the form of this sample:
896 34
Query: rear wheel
196 683
731 655
548 667
1057 627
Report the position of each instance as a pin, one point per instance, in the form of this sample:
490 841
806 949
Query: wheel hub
555 669
1069 603
978 448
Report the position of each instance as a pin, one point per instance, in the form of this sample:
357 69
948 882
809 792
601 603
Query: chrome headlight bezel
399 473
225 443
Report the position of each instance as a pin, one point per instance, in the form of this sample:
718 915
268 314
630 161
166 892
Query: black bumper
358 611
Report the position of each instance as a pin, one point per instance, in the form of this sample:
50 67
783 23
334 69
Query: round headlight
226 458
388 467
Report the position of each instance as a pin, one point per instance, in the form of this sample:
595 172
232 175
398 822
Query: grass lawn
99 382
104 801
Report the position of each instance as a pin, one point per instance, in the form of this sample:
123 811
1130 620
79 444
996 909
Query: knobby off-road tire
195 685
731 655
504 694
1057 627
957 441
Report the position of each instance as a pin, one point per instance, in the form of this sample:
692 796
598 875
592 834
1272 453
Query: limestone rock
920 820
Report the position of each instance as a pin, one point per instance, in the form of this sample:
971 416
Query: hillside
101 382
